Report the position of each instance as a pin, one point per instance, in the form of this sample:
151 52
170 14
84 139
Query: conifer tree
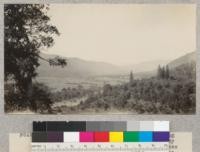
159 72
131 78
167 74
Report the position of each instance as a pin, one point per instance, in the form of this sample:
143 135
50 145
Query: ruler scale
103 147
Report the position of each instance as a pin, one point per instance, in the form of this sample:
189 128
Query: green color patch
131 136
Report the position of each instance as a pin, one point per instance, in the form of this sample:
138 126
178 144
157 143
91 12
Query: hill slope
82 68
77 68
188 58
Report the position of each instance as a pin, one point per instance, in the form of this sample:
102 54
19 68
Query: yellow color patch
116 137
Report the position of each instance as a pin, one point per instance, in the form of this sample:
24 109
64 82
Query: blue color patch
145 136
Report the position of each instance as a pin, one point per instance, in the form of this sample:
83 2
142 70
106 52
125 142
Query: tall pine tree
167 73
159 72
131 79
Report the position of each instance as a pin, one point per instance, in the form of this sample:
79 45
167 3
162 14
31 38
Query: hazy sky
124 33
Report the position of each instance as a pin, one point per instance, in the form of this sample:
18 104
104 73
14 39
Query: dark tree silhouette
27 30
163 72
131 78
167 74
159 72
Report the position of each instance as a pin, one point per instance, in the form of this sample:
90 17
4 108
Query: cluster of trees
147 96
185 71
163 72
71 93
171 93
152 95
40 100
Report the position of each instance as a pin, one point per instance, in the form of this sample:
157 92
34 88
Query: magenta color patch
86 137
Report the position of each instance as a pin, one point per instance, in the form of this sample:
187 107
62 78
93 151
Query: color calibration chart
100 136
96 136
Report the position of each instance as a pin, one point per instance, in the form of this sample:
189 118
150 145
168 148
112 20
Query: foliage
40 99
70 93
27 30
163 72
131 78
176 94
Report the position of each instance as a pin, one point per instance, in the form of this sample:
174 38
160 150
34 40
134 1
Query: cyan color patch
145 136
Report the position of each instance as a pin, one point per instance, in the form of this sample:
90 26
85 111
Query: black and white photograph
100 59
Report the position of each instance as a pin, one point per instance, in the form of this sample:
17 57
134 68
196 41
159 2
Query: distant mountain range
77 68
82 68
188 58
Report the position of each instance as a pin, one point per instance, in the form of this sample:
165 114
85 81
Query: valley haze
99 73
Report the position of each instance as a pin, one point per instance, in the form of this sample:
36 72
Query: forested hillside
172 90
173 94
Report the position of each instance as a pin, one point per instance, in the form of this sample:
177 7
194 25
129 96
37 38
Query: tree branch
57 61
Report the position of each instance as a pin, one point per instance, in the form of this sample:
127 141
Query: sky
123 34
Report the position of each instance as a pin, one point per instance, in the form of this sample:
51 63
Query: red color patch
101 136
